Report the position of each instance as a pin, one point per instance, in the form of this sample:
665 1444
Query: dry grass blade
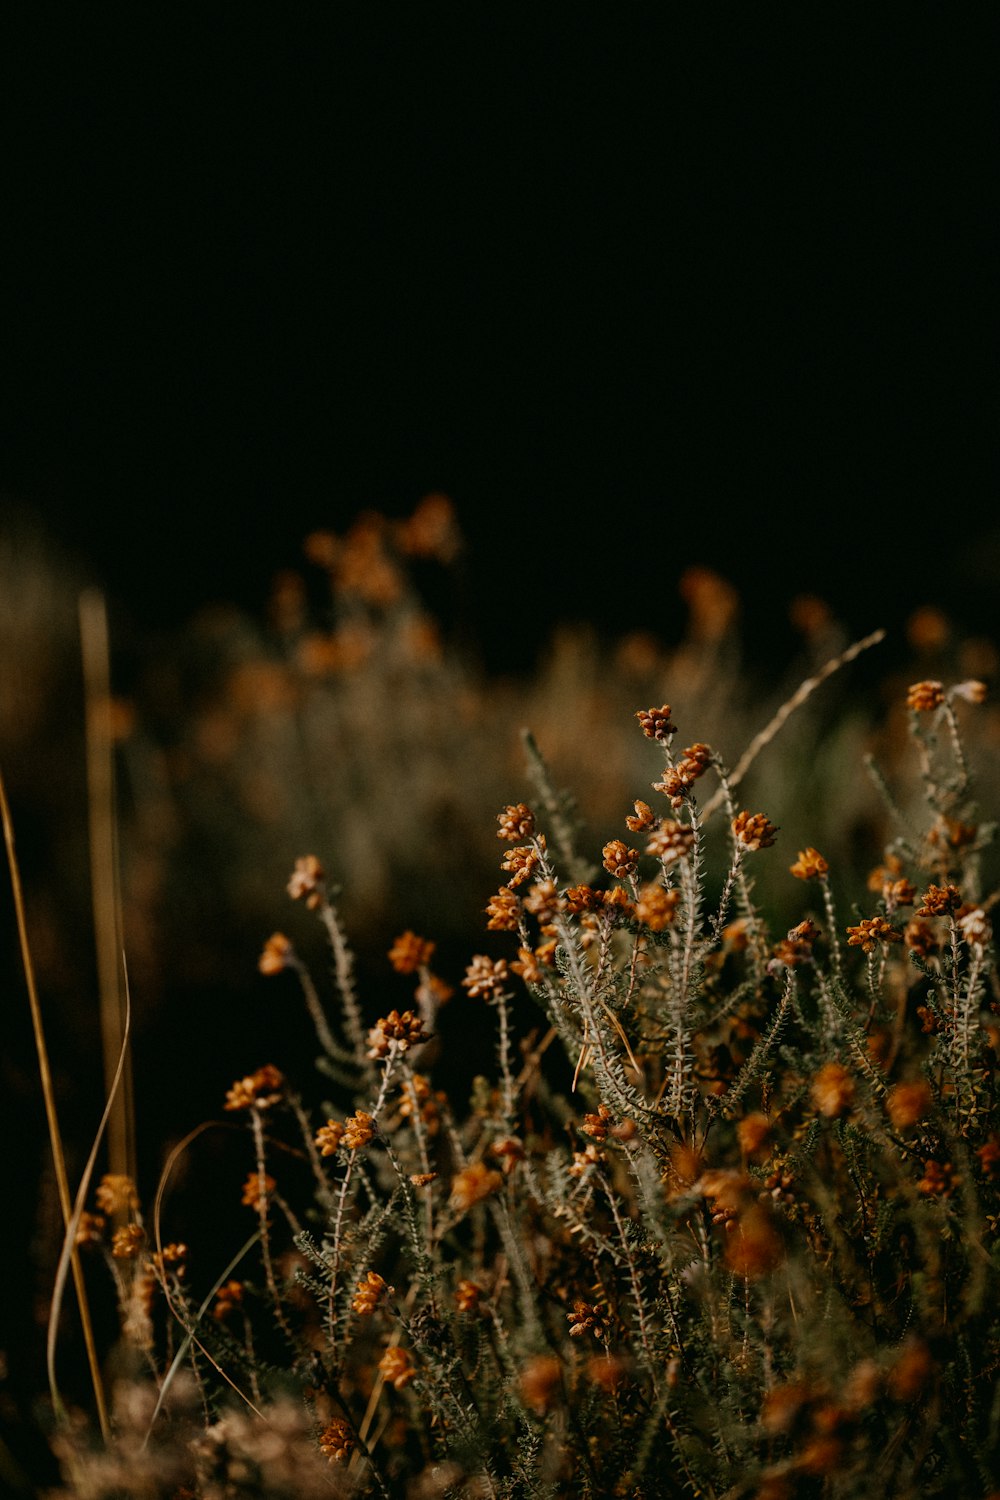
69 1239
104 878
48 1094
801 694
190 1337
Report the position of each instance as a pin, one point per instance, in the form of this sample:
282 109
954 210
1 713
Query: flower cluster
259 1090
753 831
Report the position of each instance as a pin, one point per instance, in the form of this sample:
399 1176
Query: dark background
638 286
635 287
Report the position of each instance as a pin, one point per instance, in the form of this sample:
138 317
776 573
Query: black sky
635 286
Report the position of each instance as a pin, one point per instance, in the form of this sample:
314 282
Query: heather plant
720 1219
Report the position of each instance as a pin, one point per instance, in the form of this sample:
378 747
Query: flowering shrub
725 1220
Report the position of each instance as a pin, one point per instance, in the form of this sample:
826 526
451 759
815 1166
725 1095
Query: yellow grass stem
104 874
48 1094
767 734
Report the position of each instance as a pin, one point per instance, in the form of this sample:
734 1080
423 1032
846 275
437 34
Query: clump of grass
722 1220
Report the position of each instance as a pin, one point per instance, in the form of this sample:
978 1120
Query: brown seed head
939 1180
397 1368
678 780
90 1229
898 893
584 1160
596 1125
919 936
587 1317
940 901
755 1246
655 722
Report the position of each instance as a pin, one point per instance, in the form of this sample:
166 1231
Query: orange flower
337 1441
924 697
503 910
252 1196
406 1030
409 953
753 1133
306 881
671 841
369 1293
521 863
116 1194
127 1242
257 1090
540 1380
871 931
643 817
278 954
619 859
833 1090
228 1299
328 1137
472 1185
484 977
359 1130
657 907
810 865
397 1367
753 831
467 1296
517 821
908 1103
